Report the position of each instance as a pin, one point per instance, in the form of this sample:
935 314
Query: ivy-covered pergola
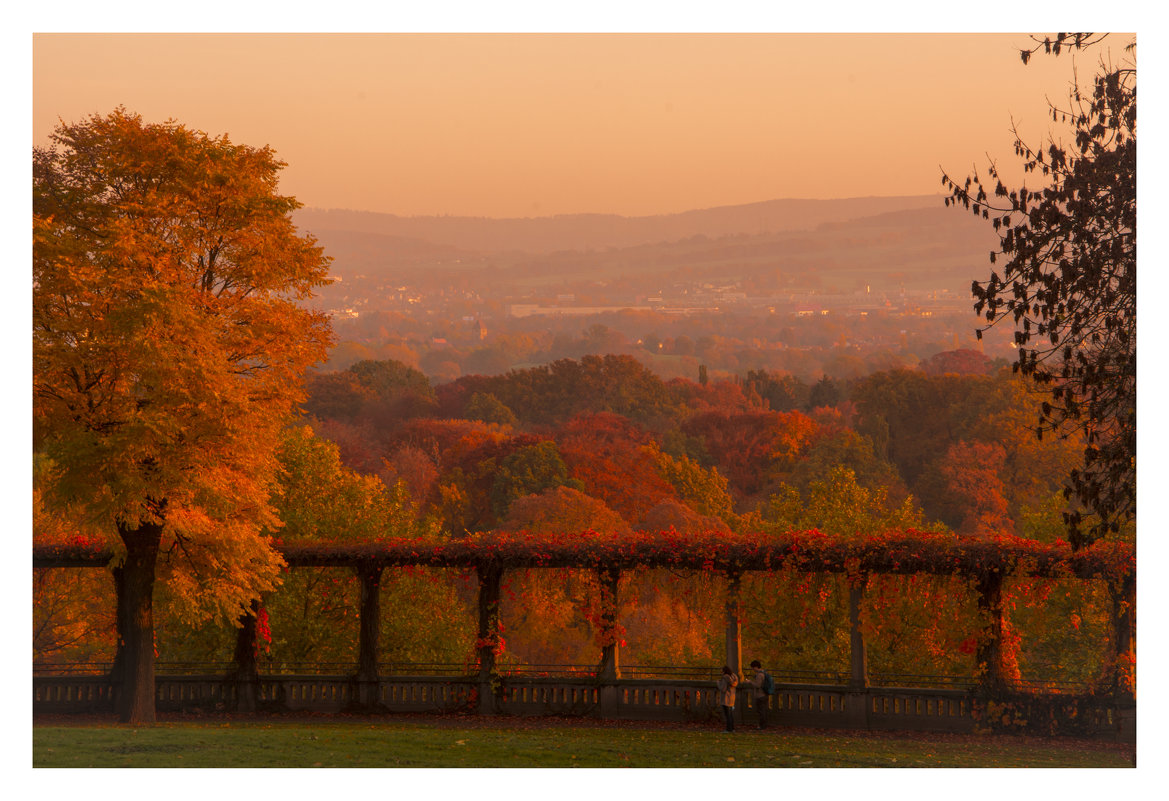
985 562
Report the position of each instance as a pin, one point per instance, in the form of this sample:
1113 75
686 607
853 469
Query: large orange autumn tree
168 348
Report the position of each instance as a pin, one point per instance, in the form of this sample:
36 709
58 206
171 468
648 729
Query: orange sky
506 125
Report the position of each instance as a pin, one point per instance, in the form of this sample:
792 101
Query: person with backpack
762 686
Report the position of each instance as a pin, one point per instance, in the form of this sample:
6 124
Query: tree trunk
136 617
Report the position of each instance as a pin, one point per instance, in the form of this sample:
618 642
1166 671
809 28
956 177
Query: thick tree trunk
136 616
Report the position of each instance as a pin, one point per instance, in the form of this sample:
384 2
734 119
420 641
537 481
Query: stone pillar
734 625
118 669
247 675
369 634
490 579
609 671
610 668
1124 616
734 633
858 652
857 699
990 643
1124 632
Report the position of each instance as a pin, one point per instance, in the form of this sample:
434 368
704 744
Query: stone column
1124 631
490 579
990 644
609 671
1124 616
734 630
734 633
246 675
369 634
610 668
858 651
857 700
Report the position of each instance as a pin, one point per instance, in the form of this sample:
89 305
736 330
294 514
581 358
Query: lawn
446 742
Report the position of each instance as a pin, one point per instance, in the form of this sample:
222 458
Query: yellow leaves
166 353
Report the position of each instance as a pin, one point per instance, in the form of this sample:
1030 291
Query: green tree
840 506
313 614
1068 281
704 491
783 392
823 393
168 349
529 471
489 409
847 449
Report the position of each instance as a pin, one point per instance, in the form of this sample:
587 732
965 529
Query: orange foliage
971 472
616 462
562 509
753 448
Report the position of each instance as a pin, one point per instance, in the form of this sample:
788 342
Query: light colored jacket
726 689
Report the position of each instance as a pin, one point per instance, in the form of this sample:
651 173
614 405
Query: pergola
987 562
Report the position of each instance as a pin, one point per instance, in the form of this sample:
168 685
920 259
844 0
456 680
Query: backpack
768 684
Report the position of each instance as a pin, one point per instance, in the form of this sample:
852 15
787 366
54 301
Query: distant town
840 299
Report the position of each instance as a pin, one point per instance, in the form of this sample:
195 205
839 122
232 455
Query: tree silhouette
1069 281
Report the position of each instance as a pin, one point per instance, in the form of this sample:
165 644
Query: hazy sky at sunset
512 125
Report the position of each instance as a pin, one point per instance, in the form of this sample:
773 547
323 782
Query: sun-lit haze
521 125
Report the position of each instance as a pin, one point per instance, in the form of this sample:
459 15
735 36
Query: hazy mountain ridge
601 231
924 247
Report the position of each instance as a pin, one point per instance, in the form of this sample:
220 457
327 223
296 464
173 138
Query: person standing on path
728 684
759 694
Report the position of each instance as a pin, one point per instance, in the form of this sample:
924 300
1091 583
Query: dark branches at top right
1068 281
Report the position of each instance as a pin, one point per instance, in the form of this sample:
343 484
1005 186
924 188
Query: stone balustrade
678 700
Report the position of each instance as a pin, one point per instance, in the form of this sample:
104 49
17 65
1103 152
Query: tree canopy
1068 281
168 347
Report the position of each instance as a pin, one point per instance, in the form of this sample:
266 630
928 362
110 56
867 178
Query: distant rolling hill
890 242
600 231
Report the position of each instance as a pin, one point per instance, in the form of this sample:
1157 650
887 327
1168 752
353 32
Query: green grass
446 743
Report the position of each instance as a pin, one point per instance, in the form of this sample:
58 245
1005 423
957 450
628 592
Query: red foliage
903 552
971 472
751 448
724 396
615 461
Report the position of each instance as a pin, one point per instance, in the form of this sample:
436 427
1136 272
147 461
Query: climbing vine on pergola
986 562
